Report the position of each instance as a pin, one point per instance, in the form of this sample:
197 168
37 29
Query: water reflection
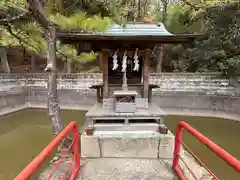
23 135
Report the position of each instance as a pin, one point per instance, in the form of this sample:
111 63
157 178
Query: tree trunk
4 60
164 12
160 58
139 8
160 55
51 69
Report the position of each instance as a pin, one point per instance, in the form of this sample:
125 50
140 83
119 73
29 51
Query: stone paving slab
125 169
118 169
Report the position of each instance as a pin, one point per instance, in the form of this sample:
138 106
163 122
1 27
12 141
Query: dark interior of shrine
122 121
116 76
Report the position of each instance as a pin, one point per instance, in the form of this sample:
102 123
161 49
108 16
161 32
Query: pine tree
20 28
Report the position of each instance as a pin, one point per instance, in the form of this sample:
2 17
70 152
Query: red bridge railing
229 159
34 166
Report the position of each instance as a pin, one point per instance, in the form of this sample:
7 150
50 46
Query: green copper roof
141 33
137 30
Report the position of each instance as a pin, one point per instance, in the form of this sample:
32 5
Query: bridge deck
118 169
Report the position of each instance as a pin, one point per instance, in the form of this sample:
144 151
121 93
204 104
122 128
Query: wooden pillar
33 62
99 58
99 94
150 95
145 75
105 74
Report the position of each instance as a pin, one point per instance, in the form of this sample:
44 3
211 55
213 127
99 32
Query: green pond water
25 133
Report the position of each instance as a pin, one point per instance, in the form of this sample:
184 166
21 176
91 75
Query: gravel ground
117 169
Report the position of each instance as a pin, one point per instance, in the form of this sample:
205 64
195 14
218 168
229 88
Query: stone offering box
125 101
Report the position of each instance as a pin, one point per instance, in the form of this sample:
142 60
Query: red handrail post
228 158
177 147
76 150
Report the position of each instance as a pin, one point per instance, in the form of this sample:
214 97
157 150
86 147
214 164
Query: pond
25 133
223 132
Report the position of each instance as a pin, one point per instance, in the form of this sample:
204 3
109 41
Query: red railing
34 166
229 159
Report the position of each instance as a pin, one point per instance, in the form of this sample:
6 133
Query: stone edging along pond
184 104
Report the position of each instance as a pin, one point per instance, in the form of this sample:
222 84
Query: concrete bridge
126 157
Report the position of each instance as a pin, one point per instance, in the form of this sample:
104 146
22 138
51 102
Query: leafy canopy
29 34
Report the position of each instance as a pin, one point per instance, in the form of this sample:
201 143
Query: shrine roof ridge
145 35
137 29
119 32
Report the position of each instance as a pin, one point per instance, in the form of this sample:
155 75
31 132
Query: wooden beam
145 75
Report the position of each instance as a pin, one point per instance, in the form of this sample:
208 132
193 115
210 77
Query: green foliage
86 57
69 53
66 52
219 49
219 20
94 70
80 20
29 34
20 5
177 15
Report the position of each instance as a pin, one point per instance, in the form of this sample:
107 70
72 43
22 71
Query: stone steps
127 127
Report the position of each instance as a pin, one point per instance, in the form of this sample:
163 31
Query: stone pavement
118 169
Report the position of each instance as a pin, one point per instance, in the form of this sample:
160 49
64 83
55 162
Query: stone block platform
98 111
123 144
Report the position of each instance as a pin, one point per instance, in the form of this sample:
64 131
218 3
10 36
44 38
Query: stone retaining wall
196 102
210 84
178 92
78 99
13 101
175 104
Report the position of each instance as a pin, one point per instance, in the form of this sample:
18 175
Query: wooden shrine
125 96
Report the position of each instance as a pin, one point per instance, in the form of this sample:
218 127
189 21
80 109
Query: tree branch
37 10
66 56
15 18
191 5
9 28
20 40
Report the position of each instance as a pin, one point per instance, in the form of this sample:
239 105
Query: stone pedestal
166 147
89 146
132 145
